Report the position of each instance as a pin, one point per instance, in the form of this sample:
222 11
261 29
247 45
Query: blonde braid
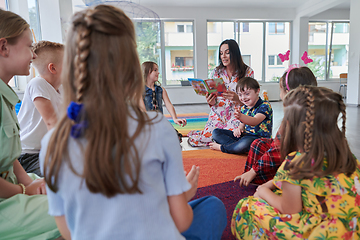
82 53
309 119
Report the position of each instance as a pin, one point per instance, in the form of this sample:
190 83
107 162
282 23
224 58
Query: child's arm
62 226
171 109
180 211
252 121
46 111
8 189
289 202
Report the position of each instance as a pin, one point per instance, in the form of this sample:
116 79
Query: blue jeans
231 144
209 219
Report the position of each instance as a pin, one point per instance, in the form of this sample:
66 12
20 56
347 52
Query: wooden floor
352 122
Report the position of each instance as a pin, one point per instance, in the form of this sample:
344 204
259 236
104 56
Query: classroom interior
186 35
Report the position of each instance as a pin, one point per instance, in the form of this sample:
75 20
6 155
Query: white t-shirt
32 126
124 216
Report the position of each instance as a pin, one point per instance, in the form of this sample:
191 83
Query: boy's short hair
47 52
247 82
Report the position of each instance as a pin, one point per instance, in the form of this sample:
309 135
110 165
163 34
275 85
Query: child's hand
246 178
238 132
211 99
192 177
36 187
180 121
237 113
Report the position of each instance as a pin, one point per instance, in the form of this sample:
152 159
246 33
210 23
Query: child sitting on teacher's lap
256 118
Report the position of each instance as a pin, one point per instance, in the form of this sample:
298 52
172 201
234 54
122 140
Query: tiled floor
352 122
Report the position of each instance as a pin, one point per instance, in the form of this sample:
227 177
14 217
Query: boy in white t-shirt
41 103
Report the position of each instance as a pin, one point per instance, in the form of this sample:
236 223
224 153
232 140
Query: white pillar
200 48
353 82
299 39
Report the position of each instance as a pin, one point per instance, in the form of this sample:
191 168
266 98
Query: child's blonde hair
101 71
310 124
47 52
11 26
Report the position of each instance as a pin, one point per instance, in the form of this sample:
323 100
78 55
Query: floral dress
221 114
331 210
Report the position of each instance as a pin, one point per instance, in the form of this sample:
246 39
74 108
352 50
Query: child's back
125 216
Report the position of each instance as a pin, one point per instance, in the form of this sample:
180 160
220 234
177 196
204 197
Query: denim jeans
209 219
231 144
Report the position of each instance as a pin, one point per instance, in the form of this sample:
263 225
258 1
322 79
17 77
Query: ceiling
235 3
344 4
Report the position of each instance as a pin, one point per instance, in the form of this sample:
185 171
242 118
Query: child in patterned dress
317 188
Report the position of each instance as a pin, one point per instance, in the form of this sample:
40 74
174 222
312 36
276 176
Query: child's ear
51 67
257 91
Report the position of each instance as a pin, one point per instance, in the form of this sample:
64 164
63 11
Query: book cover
201 86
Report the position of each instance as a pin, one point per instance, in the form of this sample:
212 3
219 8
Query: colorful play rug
217 172
195 121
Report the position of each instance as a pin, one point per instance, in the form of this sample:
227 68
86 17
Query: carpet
217 172
195 121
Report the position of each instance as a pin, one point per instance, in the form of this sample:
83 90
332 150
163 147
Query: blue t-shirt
143 215
264 129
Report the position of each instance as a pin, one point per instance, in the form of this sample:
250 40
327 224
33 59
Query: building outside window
179 51
276 27
328 46
246 27
3 4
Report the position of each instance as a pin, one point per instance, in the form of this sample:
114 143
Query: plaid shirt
264 158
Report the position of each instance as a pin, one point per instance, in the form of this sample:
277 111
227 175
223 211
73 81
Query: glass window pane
280 27
317 48
246 27
34 17
340 50
180 28
148 42
272 27
275 44
251 44
216 33
189 28
272 60
179 53
3 4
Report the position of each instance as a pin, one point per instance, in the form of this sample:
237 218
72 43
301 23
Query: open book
202 86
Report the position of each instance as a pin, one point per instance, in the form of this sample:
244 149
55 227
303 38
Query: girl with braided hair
23 201
112 170
315 193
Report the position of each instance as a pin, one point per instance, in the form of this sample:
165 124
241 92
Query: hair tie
291 67
74 111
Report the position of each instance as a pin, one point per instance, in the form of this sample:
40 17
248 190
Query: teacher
231 69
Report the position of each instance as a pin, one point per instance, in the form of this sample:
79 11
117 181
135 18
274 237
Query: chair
343 77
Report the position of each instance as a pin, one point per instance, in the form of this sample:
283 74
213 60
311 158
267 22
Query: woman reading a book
231 69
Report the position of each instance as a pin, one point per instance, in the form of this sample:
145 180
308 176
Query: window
34 17
179 51
3 4
329 58
216 33
246 27
275 44
276 27
258 50
180 28
148 42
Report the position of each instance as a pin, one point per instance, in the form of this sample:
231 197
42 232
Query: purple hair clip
74 113
291 67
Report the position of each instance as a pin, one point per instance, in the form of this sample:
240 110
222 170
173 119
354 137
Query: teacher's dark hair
235 58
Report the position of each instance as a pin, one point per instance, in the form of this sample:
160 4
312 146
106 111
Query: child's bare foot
246 178
215 146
